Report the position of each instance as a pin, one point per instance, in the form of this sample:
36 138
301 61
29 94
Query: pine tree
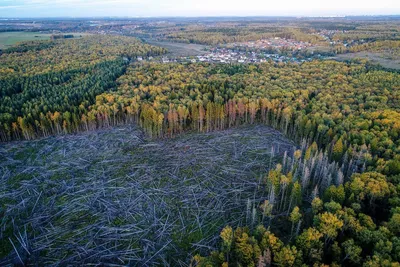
338 150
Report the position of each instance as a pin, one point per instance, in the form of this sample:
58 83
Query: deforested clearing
116 196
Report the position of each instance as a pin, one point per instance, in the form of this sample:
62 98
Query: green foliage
295 215
227 238
348 112
334 193
370 184
309 242
393 167
366 221
286 256
332 206
48 90
394 223
329 225
352 252
246 248
316 205
338 150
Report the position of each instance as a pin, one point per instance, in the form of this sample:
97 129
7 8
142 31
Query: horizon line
222 16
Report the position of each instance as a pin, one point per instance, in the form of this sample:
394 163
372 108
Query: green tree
338 149
309 242
295 217
227 240
352 252
335 193
394 223
286 256
317 205
329 225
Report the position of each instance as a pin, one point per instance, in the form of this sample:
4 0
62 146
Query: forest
345 115
329 198
233 33
46 83
334 34
325 36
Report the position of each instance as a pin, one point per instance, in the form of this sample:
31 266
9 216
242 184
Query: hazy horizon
182 8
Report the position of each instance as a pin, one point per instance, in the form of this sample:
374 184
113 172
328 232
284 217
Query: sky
193 8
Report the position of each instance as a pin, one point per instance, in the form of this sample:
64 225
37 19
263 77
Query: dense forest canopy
72 54
47 80
323 101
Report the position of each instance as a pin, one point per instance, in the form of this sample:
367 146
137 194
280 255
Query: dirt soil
180 49
380 58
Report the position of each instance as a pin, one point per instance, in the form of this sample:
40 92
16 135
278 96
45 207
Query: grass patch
8 39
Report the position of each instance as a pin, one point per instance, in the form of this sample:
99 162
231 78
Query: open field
113 196
180 49
8 39
380 58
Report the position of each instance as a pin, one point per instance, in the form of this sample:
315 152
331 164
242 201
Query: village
273 43
227 56
272 49
224 55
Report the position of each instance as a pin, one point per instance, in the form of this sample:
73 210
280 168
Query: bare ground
380 58
180 49
114 197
